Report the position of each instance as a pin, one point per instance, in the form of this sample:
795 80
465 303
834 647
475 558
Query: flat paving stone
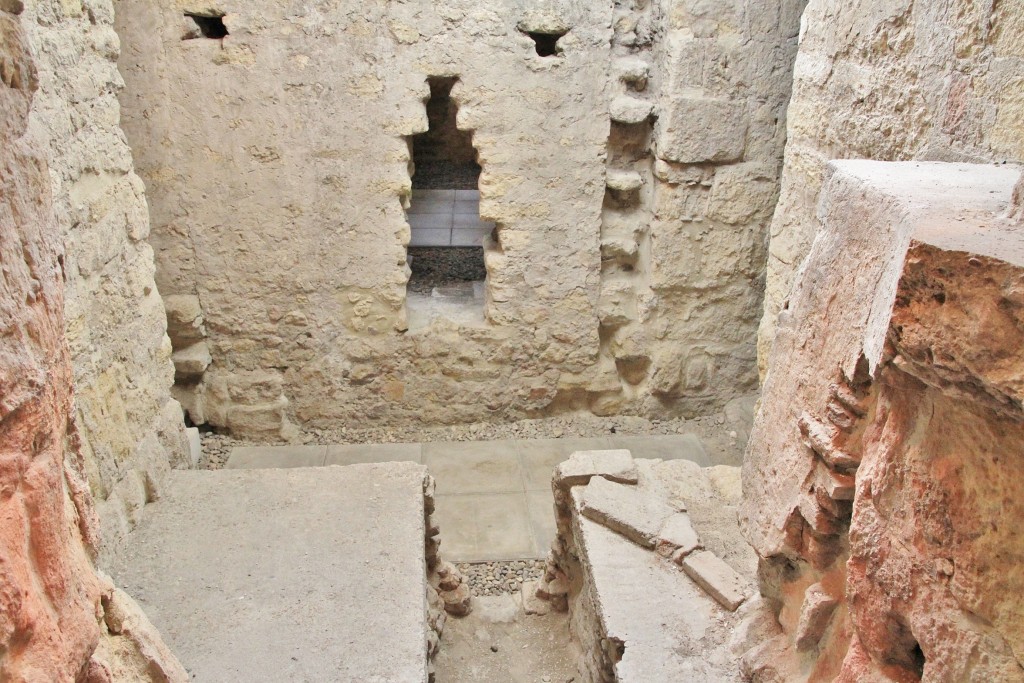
474 466
664 447
540 456
286 575
484 527
275 457
354 454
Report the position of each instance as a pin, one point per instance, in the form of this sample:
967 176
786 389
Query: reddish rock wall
876 487
55 610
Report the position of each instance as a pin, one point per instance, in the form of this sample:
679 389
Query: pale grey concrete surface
493 497
355 454
274 457
287 575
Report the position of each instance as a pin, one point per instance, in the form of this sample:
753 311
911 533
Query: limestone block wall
625 274
59 619
131 430
875 483
892 80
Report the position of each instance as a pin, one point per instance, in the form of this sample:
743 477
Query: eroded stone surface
131 430
344 89
891 403
59 620
935 88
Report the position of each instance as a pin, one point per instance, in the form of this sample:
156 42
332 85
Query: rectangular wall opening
446 253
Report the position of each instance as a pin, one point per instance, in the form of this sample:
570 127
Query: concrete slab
664 447
485 527
287 575
354 454
474 466
274 457
540 456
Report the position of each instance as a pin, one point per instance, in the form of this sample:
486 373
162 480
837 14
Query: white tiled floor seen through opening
447 218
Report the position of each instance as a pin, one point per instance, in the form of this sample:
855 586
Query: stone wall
626 271
892 80
875 483
131 431
59 619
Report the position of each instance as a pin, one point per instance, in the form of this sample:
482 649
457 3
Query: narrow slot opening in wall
206 25
546 44
446 252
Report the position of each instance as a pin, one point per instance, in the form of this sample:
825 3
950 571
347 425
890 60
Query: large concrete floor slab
310 574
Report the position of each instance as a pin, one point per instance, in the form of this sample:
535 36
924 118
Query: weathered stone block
677 538
717 578
192 361
694 129
639 516
630 110
815 614
582 466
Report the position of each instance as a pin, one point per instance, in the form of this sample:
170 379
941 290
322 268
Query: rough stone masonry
626 270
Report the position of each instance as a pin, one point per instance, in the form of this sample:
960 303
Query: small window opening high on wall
546 43
205 25
446 253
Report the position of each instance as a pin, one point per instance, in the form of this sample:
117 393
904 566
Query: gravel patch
499 578
441 266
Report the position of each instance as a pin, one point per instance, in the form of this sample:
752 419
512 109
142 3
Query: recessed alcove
446 248
206 25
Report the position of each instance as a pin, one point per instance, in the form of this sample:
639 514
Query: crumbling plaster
892 80
277 167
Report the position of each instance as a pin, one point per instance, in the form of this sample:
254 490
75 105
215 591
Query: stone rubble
608 529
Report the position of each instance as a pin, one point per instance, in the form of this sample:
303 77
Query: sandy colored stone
339 337
886 426
713 575
934 59
582 466
677 538
630 110
637 515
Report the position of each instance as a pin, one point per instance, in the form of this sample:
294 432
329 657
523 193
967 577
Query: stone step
308 574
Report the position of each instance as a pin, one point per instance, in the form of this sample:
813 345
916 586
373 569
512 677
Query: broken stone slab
637 515
582 466
677 537
693 130
532 604
624 181
630 110
815 615
716 578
